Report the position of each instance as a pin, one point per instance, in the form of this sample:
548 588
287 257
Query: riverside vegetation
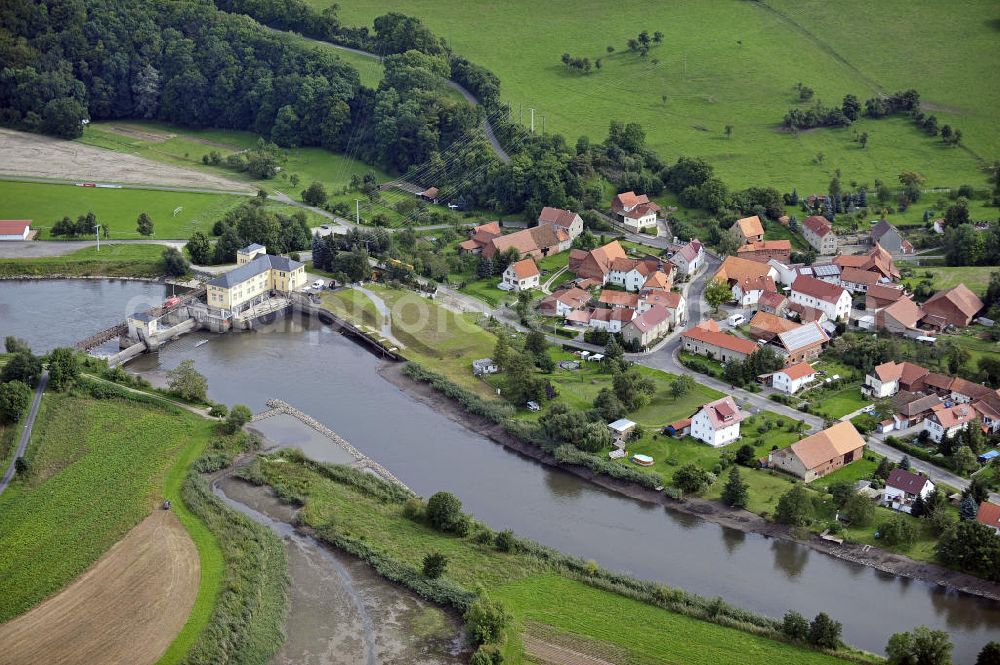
506 585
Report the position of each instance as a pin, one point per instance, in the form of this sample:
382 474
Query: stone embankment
277 406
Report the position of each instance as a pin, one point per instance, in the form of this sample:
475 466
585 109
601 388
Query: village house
536 242
832 300
595 264
616 299
479 237
750 229
900 317
948 421
889 237
15 229
766 326
822 453
564 301
521 275
430 195
659 279
635 211
804 342
876 260
766 250
749 291
806 314
610 320
791 379
634 273
956 306
717 423
674 303
706 339
647 327
883 381
256 274
902 488
818 232
690 258
856 280
567 220
773 303
989 515
882 295
911 408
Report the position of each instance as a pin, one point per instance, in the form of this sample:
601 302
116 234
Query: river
335 380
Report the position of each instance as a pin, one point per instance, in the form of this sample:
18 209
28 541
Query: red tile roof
651 318
798 371
989 514
750 226
525 268
817 288
619 298
13 226
858 276
627 201
720 339
911 483
818 225
723 412
557 216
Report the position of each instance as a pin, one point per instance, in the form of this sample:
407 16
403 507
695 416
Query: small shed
484 366
988 456
621 428
141 325
679 429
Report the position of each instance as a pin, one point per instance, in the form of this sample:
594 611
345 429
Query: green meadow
117 209
736 63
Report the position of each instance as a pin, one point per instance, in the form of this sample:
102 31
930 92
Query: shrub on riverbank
247 625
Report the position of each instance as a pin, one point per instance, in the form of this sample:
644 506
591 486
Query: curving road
29 423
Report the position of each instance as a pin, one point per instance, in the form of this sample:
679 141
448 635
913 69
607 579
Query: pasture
736 63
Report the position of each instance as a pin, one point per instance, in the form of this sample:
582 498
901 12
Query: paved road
22 445
24 249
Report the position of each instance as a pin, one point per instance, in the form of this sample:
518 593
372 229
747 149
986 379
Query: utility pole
532 120
97 233
357 211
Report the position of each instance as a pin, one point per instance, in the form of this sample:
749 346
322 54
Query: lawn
735 63
116 209
538 596
487 291
839 402
97 469
437 337
131 260
974 277
353 306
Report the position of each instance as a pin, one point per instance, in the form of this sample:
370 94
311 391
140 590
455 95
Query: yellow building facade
257 274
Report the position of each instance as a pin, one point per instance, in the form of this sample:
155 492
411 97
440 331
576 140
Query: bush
898 531
486 620
237 418
212 462
692 479
505 541
824 632
218 411
795 626
435 564
414 509
444 513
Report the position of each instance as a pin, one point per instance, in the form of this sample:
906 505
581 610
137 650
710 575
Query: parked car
533 406
318 284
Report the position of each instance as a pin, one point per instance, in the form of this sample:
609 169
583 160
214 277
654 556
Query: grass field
97 468
130 260
353 306
735 63
534 593
974 277
117 209
185 147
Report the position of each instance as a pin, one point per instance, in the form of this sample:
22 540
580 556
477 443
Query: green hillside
736 63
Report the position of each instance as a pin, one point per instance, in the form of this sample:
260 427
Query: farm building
822 453
15 229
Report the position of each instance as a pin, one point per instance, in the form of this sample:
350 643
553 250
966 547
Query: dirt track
127 608
35 156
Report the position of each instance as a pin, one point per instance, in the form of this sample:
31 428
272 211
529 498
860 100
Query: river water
335 381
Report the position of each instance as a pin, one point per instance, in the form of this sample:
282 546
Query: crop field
116 209
736 63
97 469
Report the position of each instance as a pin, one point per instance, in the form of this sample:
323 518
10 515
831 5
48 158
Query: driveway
29 423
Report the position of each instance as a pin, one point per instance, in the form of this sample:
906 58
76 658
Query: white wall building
522 275
832 300
717 423
791 379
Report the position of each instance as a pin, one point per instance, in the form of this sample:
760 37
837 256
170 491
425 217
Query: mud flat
340 611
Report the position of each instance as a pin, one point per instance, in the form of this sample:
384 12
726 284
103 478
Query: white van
736 320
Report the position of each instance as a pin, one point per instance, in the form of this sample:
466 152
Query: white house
884 380
611 320
903 487
484 366
830 299
690 258
672 302
522 275
791 379
635 211
15 229
748 291
717 423
567 220
948 420
818 232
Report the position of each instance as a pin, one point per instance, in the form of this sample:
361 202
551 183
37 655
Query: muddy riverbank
340 611
712 511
